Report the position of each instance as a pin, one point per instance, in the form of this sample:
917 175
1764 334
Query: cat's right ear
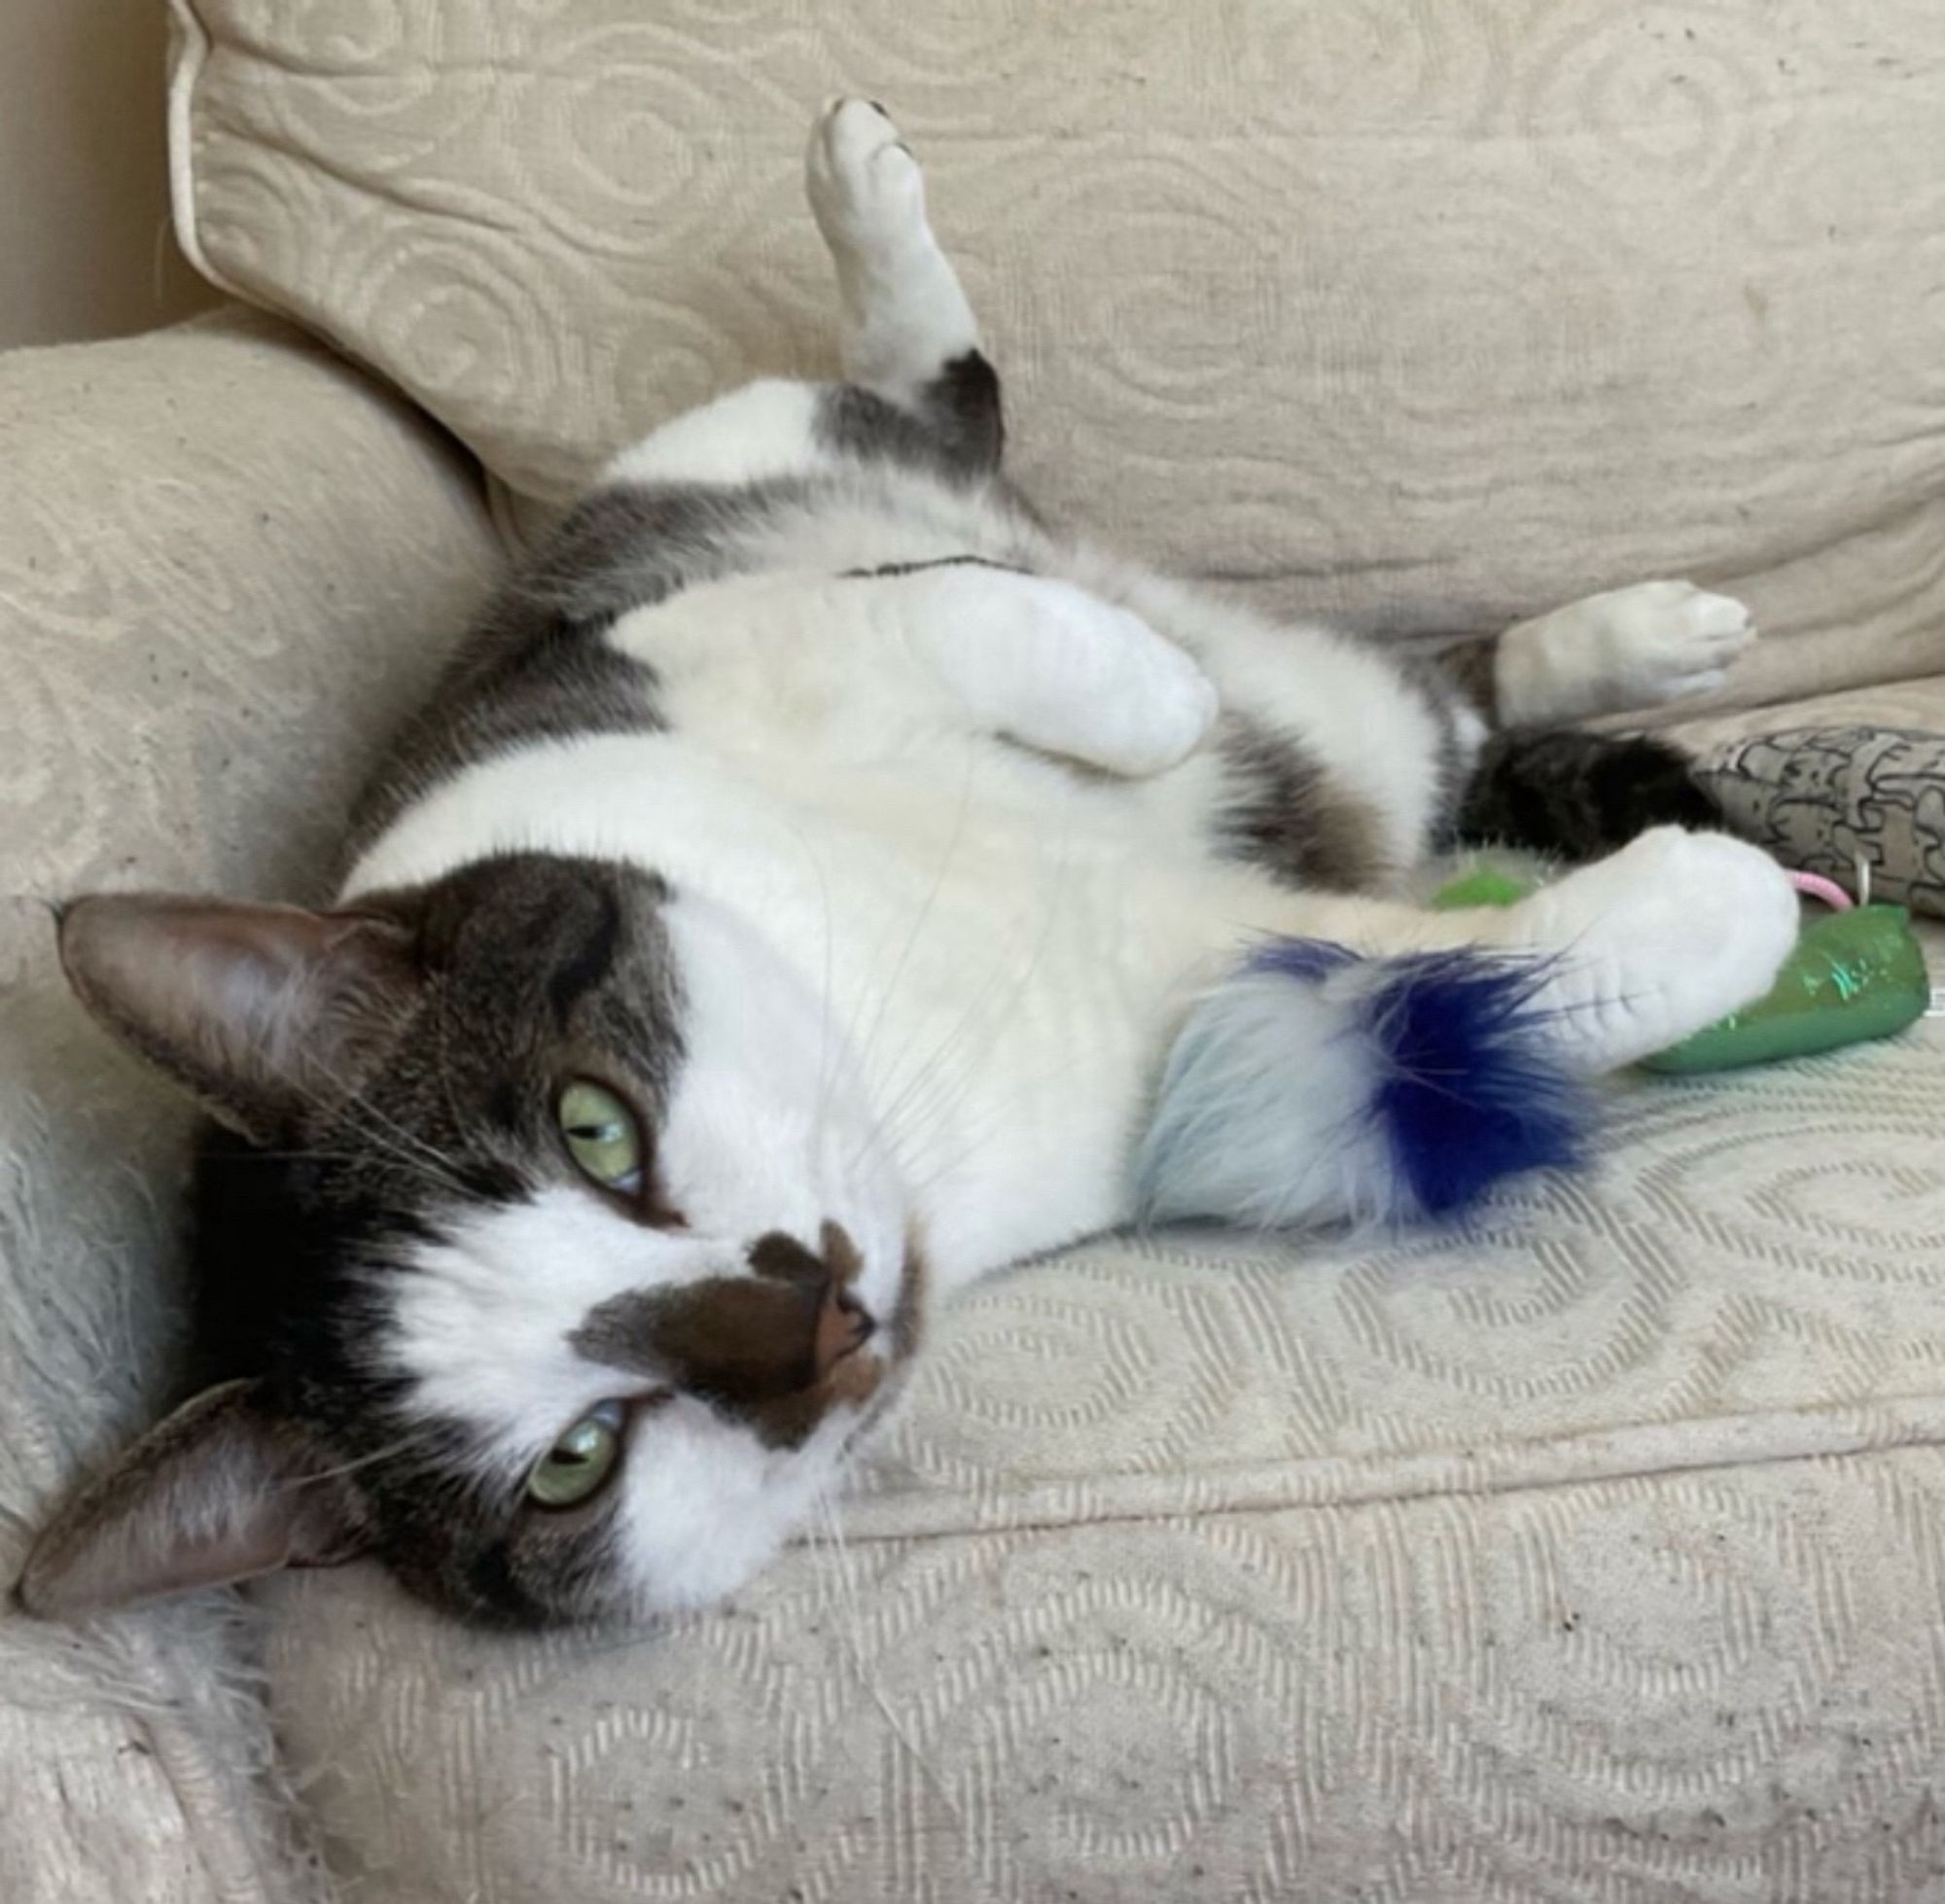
221 1491
259 1010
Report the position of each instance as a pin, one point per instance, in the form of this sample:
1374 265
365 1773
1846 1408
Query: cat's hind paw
866 189
905 317
1664 641
1631 648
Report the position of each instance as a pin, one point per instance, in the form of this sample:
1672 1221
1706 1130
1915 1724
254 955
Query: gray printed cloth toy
1828 799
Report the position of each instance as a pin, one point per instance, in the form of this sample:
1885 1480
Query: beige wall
84 245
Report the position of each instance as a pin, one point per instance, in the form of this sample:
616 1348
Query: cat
777 919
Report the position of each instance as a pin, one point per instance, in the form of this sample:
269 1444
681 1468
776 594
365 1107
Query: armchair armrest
229 562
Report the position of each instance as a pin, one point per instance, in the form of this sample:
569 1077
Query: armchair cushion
1406 312
228 562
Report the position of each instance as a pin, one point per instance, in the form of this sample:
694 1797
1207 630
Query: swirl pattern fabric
1400 310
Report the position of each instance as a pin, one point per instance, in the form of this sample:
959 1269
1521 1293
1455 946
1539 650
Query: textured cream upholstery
1396 307
1596 1555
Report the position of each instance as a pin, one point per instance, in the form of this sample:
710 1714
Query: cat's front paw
1043 663
1661 938
1159 709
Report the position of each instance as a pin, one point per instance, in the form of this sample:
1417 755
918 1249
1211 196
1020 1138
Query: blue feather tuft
1309 959
1465 1094
1316 1086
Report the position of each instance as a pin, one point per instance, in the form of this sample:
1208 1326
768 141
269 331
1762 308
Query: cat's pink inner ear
261 1010
220 1491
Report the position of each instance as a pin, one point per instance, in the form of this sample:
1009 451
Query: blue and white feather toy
1317 1086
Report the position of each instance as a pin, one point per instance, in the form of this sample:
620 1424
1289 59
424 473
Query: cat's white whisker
406 1443
391 1136
833 1558
918 1106
887 988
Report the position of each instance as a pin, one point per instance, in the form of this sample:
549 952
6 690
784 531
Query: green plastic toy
1854 975
1481 886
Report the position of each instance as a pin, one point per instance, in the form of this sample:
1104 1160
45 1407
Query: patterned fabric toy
1832 800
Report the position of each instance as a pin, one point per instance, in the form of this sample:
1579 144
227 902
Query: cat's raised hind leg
918 390
909 339
1630 648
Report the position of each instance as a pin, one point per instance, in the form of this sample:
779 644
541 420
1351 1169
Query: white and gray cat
778 918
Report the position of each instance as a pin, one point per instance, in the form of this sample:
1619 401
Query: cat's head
553 1254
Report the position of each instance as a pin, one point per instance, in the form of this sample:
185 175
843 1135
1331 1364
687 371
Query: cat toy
1858 972
1316 1086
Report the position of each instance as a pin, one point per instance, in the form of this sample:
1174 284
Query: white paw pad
1662 938
1664 641
1157 708
866 189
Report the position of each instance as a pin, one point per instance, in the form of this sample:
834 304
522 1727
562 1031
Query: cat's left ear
221 1491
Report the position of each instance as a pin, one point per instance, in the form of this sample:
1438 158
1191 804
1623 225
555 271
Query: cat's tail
1314 1086
1576 796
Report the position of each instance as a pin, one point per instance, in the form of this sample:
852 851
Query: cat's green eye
575 1468
601 1136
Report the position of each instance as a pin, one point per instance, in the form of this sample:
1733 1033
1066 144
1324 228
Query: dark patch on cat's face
528 967
1285 815
589 964
445 1179
771 1350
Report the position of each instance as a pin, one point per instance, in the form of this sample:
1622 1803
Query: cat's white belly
1005 966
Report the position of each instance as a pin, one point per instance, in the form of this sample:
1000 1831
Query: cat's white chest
997 943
